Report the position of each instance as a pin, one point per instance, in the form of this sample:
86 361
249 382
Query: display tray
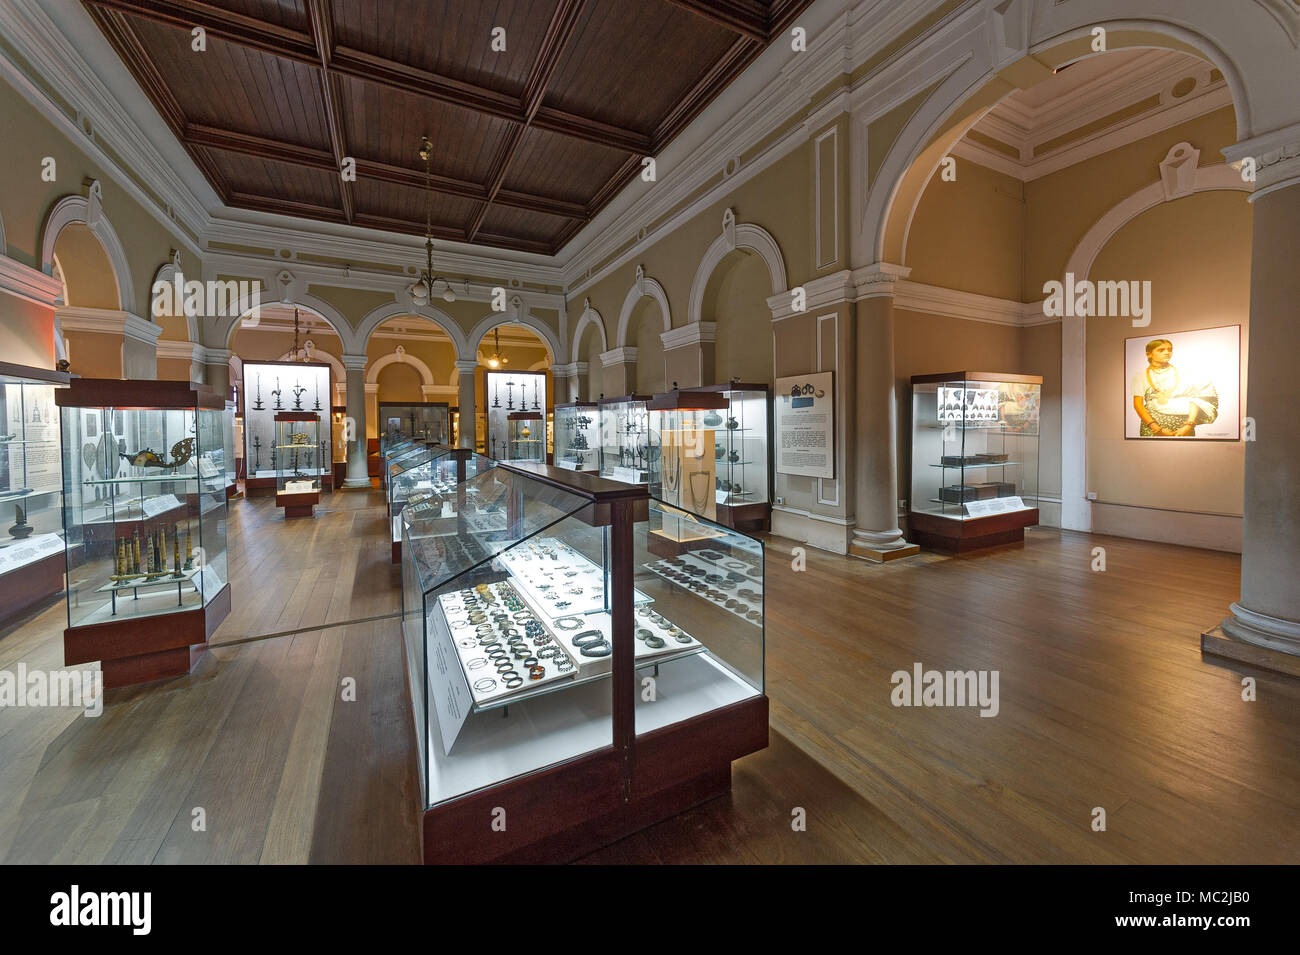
549 571
722 580
16 554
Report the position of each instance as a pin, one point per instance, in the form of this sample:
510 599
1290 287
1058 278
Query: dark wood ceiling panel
253 176
384 125
547 163
528 144
451 38
392 201
260 94
535 226
631 60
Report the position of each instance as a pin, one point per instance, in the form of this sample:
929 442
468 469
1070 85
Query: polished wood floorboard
257 757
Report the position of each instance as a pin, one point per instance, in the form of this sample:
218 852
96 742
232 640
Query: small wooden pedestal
950 536
298 505
140 649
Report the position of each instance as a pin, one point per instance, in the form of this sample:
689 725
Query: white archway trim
643 287
377 316
226 328
517 316
736 235
399 357
1076 510
340 374
589 317
89 212
167 273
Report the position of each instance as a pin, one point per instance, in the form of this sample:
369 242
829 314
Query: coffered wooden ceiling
529 143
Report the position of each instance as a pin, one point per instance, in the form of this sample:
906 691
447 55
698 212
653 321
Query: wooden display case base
746 517
951 536
567 811
29 585
298 505
141 649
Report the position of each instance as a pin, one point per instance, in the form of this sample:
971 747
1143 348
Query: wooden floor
1104 701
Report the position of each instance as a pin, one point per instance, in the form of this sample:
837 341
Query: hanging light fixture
426 285
496 359
293 354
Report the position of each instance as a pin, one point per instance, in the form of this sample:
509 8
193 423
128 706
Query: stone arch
340 373
589 317
519 316
167 273
226 328
736 235
1064 37
88 210
377 316
643 287
399 356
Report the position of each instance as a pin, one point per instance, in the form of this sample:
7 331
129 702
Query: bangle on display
485 684
536 672
601 649
514 682
568 623
654 642
587 638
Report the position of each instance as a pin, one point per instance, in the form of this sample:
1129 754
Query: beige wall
26 332
1196 253
644 328
736 298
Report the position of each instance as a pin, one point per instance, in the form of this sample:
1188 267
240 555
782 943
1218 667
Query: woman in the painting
1169 406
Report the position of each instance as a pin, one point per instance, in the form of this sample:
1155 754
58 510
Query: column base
1218 643
880 546
356 484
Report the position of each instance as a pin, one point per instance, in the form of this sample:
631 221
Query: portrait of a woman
1169 404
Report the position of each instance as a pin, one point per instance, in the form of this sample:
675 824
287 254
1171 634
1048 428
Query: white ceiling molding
643 287
88 211
968 306
690 334
735 236
29 284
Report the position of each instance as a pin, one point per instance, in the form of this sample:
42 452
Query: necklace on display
672 468
699 501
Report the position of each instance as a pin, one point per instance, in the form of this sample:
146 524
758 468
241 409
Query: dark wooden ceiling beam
321 18
749 19
730 65
196 134
591 130
558 32
226 24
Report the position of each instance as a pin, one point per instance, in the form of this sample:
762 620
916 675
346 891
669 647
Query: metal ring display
504 666
569 623
642 633
477 663
485 684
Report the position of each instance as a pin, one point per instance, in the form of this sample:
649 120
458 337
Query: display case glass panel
508 622
429 422
742 444
507 393
975 445
145 495
273 387
525 437
299 447
684 469
625 439
432 486
31 479
577 436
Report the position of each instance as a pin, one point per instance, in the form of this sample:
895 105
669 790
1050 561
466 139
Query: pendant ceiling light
496 360
426 285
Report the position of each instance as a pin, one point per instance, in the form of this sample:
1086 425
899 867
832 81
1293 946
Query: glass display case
577 436
525 437
974 458
271 387
31 516
431 484
507 393
298 452
625 449
144 488
684 470
553 651
428 421
742 449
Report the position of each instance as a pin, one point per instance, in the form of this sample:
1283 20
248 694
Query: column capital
877 279
466 366
692 333
354 362
618 356
217 356
566 371
1275 156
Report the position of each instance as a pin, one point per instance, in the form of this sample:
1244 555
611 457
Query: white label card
996 505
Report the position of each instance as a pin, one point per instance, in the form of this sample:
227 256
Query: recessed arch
399 356
736 235
377 316
523 317
336 366
589 317
167 273
226 328
88 212
643 287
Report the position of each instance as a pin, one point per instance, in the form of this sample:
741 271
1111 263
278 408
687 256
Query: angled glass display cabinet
742 452
431 485
299 454
547 642
31 484
625 446
974 459
576 439
144 489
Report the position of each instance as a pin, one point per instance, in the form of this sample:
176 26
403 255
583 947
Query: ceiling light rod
422 290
